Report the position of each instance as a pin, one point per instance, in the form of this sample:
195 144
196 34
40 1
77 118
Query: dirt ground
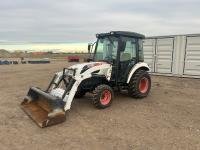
168 119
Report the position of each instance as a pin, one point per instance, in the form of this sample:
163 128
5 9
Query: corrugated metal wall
192 56
177 55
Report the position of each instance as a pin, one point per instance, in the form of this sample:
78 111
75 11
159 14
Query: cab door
127 58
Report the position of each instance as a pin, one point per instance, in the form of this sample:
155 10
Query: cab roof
122 33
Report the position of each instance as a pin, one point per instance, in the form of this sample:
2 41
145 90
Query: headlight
70 72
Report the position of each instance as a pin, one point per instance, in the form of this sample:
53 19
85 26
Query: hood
85 66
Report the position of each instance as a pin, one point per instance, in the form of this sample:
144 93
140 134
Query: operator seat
125 57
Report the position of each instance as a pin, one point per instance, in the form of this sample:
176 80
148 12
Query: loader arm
104 69
49 107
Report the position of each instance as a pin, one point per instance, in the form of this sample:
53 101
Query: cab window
129 52
141 54
106 49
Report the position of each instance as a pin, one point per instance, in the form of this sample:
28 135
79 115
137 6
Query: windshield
106 49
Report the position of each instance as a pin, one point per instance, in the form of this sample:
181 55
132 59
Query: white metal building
177 55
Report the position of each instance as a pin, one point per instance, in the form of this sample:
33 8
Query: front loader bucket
43 108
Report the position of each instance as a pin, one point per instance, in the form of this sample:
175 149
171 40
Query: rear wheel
102 96
140 84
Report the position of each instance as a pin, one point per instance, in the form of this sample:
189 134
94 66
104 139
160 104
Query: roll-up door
164 55
192 56
149 52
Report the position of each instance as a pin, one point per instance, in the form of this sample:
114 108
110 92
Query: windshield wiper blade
111 41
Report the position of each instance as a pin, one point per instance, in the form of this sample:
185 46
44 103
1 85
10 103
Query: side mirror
89 47
122 46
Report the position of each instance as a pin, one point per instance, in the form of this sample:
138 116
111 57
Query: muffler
43 108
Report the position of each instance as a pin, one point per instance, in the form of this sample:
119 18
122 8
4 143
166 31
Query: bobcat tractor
115 62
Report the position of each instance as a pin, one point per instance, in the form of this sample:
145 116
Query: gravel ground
169 118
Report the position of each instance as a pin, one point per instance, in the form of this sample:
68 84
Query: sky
71 24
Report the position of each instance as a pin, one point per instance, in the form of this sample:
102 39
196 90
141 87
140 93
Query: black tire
80 93
135 84
102 96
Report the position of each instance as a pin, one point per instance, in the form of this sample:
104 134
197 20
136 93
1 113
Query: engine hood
89 67
80 66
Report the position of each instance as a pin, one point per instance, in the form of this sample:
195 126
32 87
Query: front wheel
102 96
140 84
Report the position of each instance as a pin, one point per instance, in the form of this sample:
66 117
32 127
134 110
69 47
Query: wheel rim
105 97
144 85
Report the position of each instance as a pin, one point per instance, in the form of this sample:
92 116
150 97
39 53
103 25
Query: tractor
116 61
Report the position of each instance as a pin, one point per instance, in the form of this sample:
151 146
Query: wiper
111 41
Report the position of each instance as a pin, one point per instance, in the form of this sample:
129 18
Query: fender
136 67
